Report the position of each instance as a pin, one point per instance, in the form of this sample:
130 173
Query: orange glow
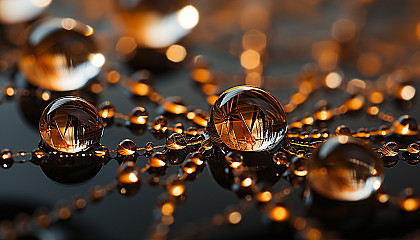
97 59
333 80
89 31
369 64
355 103
314 234
410 204
113 77
191 115
300 172
177 190
246 182
418 30
126 45
200 121
235 164
343 30
250 59
383 198
355 85
176 53
298 98
254 39
212 99
140 89
407 92
64 213
45 96
376 97
201 75
308 120
167 209
156 162
278 214
264 196
174 108
253 79
10 91
234 217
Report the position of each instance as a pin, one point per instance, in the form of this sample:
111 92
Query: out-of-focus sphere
17 11
346 169
156 23
71 124
247 118
60 54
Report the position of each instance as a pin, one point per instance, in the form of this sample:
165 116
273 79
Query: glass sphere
405 126
60 55
346 169
156 23
70 124
247 118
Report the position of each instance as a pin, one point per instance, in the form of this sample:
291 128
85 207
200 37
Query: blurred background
302 51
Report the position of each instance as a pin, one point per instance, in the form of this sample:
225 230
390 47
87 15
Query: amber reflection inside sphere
70 124
346 169
247 118
59 55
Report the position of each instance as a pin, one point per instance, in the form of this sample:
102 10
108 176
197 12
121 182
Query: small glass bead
101 151
126 147
315 134
179 128
197 158
193 131
413 148
247 118
128 173
390 149
6 158
345 168
322 111
70 124
157 160
38 154
298 166
176 141
149 147
405 126
325 133
160 124
138 116
355 102
189 167
106 110
60 55
343 130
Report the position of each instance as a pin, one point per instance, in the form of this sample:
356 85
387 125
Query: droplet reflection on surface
60 55
247 118
344 168
70 124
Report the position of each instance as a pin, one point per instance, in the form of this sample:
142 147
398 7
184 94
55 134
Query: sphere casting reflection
60 55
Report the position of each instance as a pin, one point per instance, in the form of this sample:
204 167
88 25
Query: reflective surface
15 11
60 55
70 124
247 118
345 169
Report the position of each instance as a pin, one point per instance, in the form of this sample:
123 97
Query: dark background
295 27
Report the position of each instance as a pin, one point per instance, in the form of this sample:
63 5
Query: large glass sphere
247 118
156 23
70 124
60 55
346 169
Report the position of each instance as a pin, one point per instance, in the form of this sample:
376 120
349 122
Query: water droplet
138 116
106 110
405 126
60 55
160 124
390 149
247 118
346 169
70 124
176 141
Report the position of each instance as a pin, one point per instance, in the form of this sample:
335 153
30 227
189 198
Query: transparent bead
149 147
179 128
405 126
60 55
346 169
162 23
322 111
70 124
157 160
343 130
176 141
160 124
390 149
126 147
128 173
101 151
38 154
247 118
413 148
106 110
6 158
280 159
197 158
299 166
189 167
138 116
